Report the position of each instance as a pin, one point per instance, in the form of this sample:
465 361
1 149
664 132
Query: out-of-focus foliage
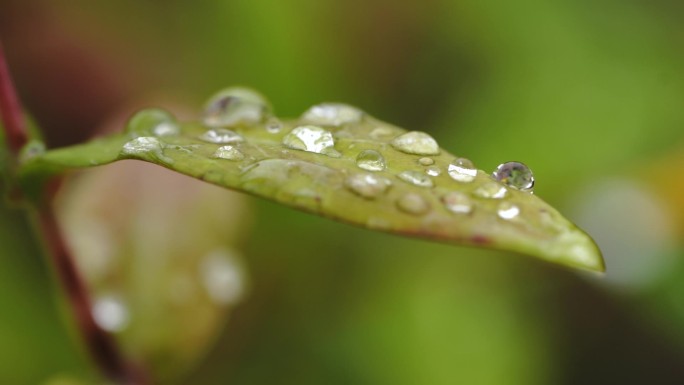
580 91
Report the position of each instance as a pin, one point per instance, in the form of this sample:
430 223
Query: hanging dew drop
416 178
332 114
221 136
311 139
462 170
507 210
236 106
416 142
491 190
370 160
457 202
229 153
433 171
223 276
152 122
413 204
367 185
516 175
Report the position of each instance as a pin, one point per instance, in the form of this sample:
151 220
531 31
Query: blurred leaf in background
583 92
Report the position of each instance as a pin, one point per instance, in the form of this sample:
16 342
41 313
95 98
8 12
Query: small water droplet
416 142
274 126
413 203
367 185
425 161
110 313
229 152
516 175
31 150
234 106
507 210
152 121
332 114
462 170
223 276
379 133
416 178
457 202
311 139
433 171
221 135
491 190
370 160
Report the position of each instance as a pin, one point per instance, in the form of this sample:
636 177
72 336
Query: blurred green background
589 94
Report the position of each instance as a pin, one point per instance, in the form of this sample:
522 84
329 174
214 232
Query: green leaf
327 163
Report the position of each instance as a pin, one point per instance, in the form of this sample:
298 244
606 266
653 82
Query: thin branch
101 345
10 109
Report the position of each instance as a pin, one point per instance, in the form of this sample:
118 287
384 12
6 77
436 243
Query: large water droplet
152 122
332 114
507 210
367 185
223 276
311 139
433 171
416 178
413 203
229 152
370 160
425 161
143 145
462 170
416 142
457 202
221 135
516 175
110 313
234 106
491 190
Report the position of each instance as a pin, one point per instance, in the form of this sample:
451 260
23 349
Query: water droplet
413 203
221 135
370 160
229 152
311 139
416 178
462 170
234 106
425 161
332 114
367 185
143 145
433 171
491 190
110 313
516 175
223 276
382 133
416 142
457 202
274 126
507 210
152 121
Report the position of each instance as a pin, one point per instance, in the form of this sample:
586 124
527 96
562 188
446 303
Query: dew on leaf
142 145
426 161
457 202
367 185
516 175
152 122
416 178
416 142
110 313
433 171
332 114
414 204
222 136
235 106
507 210
462 170
274 126
370 160
229 152
380 133
491 190
311 139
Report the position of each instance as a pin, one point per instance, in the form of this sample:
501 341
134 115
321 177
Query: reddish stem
10 109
